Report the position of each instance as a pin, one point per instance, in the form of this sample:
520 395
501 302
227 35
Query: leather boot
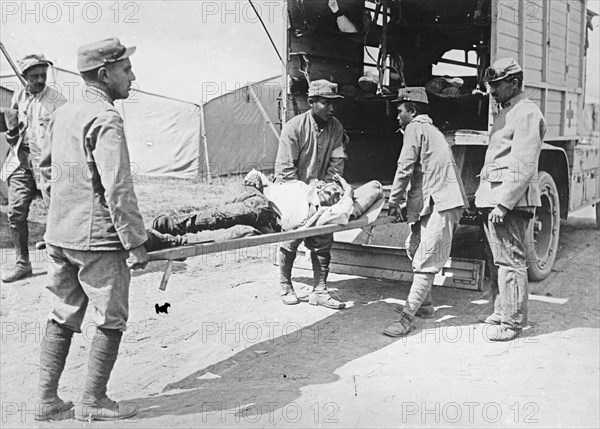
19 233
53 355
286 263
95 404
158 241
492 319
320 294
166 224
424 311
18 272
400 327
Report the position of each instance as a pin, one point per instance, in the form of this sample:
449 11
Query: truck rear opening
372 48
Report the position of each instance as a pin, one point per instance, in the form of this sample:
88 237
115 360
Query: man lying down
259 206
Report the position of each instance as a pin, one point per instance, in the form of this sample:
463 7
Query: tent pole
262 111
12 65
204 143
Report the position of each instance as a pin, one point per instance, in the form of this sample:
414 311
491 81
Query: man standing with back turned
508 194
311 147
35 105
95 231
434 206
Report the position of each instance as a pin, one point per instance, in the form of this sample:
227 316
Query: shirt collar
314 124
94 93
423 118
513 101
39 95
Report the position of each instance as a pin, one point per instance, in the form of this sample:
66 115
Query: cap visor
496 79
38 63
128 52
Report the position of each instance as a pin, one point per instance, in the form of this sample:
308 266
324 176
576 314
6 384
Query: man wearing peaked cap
95 230
325 89
34 104
311 148
414 94
98 54
502 69
508 194
434 206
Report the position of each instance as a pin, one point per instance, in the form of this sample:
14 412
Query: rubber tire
544 231
597 215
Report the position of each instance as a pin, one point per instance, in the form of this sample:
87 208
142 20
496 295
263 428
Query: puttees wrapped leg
237 231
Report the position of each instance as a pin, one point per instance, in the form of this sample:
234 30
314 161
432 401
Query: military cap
98 54
32 60
323 88
415 94
501 69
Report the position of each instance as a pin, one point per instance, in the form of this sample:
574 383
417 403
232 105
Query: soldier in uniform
35 104
434 206
95 232
311 148
508 194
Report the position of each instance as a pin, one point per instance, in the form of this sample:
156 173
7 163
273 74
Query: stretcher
373 216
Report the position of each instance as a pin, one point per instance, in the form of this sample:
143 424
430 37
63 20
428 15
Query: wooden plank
533 50
392 263
509 28
259 240
375 273
535 37
510 43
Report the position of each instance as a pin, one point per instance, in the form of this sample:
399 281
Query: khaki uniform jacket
306 153
88 184
34 113
427 163
509 174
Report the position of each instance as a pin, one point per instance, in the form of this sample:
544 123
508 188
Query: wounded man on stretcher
260 206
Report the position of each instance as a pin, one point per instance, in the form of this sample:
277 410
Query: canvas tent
239 137
163 134
166 137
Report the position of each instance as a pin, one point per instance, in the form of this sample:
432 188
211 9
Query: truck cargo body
413 42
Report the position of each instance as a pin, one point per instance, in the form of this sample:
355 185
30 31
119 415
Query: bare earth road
229 354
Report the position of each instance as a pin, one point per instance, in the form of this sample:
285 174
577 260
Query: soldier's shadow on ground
275 371
269 375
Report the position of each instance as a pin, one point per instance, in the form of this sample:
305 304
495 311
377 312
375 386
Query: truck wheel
542 243
597 215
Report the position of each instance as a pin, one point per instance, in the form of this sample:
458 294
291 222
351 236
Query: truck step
392 263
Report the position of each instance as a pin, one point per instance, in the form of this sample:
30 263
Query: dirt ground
229 354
